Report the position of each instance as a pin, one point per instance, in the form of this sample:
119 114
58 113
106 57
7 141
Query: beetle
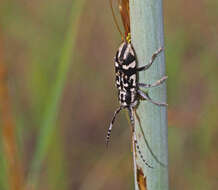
126 72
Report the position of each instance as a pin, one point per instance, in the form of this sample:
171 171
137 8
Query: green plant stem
49 123
147 36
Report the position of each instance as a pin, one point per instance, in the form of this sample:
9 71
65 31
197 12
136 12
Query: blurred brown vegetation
32 37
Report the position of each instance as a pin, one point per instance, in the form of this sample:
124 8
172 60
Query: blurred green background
57 96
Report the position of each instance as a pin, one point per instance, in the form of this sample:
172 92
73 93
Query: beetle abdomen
126 75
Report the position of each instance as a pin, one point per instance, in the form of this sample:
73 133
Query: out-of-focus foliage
35 37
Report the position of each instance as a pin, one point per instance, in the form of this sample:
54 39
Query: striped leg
130 109
135 142
147 97
134 158
157 83
143 68
111 124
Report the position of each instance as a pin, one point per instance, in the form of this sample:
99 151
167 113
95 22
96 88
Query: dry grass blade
124 12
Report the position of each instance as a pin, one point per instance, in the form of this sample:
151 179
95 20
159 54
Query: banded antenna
115 21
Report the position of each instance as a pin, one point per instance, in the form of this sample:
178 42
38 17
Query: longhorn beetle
126 72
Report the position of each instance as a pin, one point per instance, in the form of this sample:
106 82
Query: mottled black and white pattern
126 75
126 71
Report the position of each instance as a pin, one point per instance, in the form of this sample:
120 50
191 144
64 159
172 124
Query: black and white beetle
129 92
127 84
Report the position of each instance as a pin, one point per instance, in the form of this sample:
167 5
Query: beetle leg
157 83
111 124
143 68
147 97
